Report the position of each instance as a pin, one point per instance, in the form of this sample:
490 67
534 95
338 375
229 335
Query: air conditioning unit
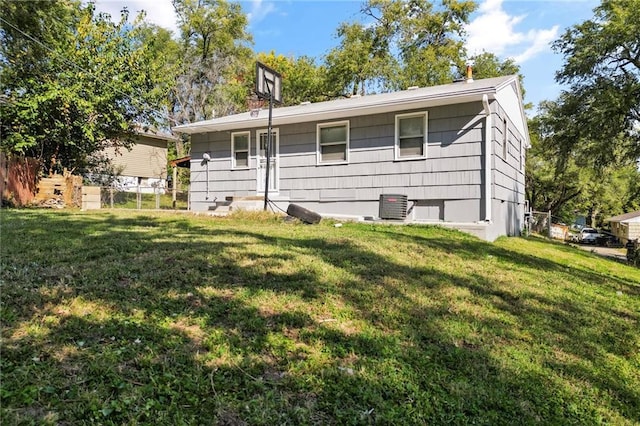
393 206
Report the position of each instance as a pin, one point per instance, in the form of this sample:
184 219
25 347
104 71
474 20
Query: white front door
261 156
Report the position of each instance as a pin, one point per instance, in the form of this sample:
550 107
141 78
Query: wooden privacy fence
18 177
21 185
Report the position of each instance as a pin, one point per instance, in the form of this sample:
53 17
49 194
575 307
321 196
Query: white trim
319 126
234 165
425 131
276 182
488 155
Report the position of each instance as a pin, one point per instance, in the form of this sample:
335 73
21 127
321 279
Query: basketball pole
268 150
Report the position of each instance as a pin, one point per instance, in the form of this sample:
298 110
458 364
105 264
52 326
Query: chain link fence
143 198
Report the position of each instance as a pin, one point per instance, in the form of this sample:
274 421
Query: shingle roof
370 104
152 132
624 217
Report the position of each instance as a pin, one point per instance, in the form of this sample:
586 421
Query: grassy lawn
123 318
129 200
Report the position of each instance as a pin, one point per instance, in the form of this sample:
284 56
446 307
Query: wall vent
393 206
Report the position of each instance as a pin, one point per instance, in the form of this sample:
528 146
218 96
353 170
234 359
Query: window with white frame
411 136
240 148
333 142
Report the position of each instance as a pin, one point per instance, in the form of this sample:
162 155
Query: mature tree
548 187
404 43
73 82
215 58
429 38
362 62
487 65
302 79
602 65
565 186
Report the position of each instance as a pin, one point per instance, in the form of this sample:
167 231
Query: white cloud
159 12
259 10
494 30
541 40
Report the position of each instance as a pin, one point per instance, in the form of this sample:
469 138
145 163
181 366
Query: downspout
487 158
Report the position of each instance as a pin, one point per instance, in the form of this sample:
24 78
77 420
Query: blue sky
519 29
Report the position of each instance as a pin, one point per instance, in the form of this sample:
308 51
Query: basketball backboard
268 83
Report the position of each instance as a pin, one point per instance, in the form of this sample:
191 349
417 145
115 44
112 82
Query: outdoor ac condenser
393 206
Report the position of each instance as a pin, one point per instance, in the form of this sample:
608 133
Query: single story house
626 226
143 168
455 153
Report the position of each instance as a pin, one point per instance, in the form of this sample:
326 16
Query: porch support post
174 182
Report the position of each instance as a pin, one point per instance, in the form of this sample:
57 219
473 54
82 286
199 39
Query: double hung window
411 136
240 144
333 142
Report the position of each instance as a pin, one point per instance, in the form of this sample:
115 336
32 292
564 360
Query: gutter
341 108
487 158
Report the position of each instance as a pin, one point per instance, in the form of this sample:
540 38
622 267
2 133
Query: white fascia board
509 97
300 115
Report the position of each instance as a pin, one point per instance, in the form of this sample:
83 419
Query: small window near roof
411 136
333 142
240 148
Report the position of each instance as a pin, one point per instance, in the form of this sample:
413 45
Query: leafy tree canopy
599 117
215 56
406 43
302 79
568 188
73 82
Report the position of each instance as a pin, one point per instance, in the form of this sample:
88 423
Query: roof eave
301 116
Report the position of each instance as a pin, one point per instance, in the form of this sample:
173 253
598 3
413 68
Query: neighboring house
144 167
626 226
457 152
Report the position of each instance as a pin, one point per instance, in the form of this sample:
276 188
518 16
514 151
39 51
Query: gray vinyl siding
452 169
448 185
507 177
451 172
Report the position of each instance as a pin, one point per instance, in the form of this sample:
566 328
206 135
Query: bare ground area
614 253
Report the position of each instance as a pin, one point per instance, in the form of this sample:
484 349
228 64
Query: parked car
588 236
608 239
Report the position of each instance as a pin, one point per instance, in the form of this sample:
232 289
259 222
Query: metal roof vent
393 206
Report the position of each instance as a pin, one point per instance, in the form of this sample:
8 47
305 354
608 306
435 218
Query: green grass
129 200
124 318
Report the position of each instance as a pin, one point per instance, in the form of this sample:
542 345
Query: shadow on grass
209 350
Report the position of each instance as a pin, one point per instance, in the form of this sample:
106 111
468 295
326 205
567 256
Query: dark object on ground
307 216
633 251
607 239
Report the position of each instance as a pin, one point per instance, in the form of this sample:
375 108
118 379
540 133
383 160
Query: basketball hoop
268 83
268 87
255 104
